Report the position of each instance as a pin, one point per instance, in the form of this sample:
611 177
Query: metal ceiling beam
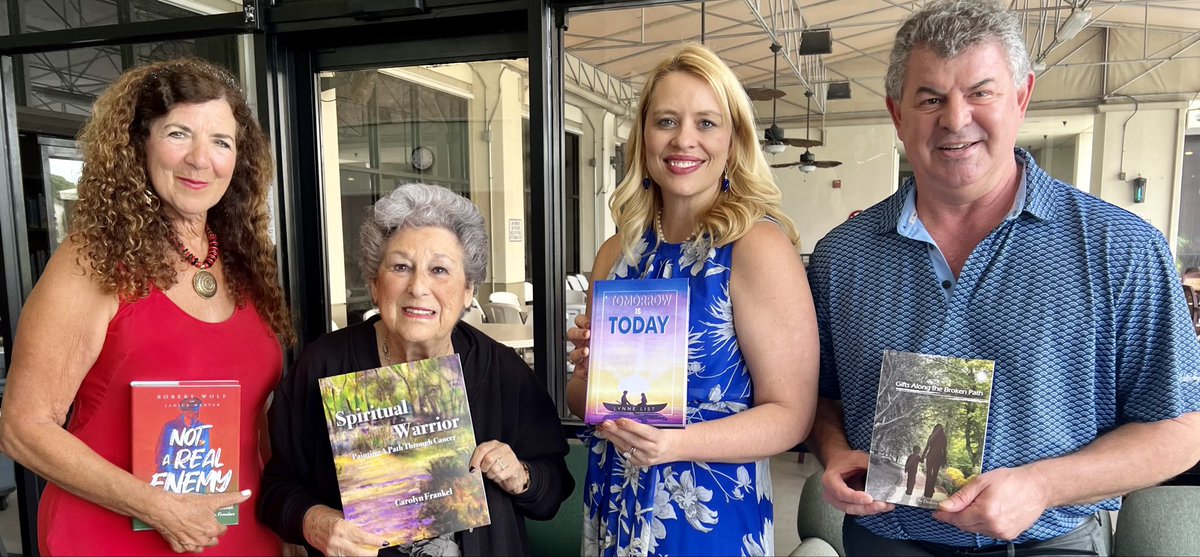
770 31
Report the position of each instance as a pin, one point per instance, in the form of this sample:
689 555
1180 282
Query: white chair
583 281
498 312
474 316
573 283
575 297
502 297
572 311
528 293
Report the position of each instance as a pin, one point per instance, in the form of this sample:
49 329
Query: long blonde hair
752 191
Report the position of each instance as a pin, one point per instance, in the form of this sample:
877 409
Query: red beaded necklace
204 283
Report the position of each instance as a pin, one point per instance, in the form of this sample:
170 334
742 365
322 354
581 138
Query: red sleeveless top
154 340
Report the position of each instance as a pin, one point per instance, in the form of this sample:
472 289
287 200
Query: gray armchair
817 522
1161 520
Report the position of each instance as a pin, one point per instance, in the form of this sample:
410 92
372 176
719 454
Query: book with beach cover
637 366
402 440
185 438
931 415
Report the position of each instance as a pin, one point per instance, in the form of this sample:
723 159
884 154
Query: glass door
459 125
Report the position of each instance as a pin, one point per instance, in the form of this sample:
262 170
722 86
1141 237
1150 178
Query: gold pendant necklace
203 282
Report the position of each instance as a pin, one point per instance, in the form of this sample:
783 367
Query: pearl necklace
658 228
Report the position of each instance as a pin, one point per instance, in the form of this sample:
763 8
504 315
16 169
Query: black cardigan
508 404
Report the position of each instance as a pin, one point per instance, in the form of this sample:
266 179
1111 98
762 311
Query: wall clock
422 158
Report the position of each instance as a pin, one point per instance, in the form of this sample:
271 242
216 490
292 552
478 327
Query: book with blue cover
931 415
638 357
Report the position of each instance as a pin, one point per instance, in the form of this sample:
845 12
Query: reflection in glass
50 15
56 15
1187 246
68 81
455 125
150 10
64 178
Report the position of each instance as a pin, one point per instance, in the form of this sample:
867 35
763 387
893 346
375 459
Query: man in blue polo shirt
984 255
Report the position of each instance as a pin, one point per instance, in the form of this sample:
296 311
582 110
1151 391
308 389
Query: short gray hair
948 27
420 206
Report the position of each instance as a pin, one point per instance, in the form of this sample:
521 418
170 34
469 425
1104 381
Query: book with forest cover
930 425
185 438
637 364
402 440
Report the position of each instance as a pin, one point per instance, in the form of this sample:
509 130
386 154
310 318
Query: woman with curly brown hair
168 275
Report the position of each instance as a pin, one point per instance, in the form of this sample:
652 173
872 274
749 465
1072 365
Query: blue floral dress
685 508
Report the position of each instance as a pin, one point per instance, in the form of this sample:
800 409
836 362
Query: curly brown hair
119 224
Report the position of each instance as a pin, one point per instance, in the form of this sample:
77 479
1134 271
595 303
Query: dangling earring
725 181
646 183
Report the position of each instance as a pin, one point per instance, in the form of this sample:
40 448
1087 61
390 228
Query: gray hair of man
949 27
420 206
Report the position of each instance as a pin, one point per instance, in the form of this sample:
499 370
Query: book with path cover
402 440
185 438
931 415
637 364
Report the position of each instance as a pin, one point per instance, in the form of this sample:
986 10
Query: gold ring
503 465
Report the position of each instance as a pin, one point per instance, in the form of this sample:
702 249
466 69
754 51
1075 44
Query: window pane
55 15
68 82
1187 248
455 125
151 10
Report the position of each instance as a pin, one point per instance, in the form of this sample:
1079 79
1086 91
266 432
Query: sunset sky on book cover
185 438
638 347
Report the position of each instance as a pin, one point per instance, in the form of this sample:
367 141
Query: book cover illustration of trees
930 423
403 470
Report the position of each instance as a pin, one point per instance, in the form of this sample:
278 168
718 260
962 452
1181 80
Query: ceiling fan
808 162
773 140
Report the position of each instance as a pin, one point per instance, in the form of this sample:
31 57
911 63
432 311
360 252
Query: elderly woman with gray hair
424 250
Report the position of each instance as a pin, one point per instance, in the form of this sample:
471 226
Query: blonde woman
699 203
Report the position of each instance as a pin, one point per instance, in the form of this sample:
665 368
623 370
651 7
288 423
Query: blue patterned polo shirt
1076 300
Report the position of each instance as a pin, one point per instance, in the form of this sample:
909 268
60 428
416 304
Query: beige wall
870 164
1151 143
1148 143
